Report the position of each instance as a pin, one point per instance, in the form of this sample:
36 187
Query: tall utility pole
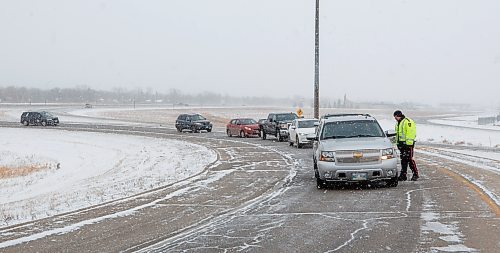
316 64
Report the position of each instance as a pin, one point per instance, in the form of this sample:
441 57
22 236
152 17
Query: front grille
350 157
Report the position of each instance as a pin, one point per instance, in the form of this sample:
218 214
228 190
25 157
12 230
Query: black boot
402 178
414 177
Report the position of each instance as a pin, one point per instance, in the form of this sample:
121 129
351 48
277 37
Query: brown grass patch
9 172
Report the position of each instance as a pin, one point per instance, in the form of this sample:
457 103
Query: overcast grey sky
427 51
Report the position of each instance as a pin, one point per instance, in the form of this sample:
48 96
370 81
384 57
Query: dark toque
398 113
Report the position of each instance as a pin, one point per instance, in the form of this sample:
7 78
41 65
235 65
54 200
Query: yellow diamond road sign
300 112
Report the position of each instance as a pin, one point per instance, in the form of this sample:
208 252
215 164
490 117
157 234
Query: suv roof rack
326 116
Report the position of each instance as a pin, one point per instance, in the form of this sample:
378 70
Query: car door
34 118
187 122
267 124
232 127
272 125
317 133
293 130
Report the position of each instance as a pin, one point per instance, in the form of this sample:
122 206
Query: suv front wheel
26 123
320 183
392 182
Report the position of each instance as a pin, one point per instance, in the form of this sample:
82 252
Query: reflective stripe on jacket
406 131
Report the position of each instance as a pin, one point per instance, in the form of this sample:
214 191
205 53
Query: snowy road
260 197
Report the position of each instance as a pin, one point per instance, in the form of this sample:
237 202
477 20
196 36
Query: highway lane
261 197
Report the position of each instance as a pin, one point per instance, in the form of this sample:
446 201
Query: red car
243 128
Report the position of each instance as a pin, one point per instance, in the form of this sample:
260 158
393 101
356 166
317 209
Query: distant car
243 128
299 129
88 105
193 122
42 118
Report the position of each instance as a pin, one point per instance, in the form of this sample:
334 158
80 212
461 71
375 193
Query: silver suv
353 148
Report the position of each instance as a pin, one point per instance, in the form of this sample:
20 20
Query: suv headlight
387 153
327 156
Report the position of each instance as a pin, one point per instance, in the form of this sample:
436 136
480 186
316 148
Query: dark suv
277 124
39 118
193 122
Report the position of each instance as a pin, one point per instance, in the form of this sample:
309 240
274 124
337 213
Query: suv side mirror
312 137
390 133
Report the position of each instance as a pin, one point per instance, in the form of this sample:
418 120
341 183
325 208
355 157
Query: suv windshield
197 117
247 121
286 117
307 123
351 129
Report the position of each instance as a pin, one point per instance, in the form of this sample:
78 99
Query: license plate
359 176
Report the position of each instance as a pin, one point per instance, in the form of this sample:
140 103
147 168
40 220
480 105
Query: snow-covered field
468 121
47 172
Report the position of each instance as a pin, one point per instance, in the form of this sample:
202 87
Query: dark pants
407 159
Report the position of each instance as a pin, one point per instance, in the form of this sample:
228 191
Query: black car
39 118
193 122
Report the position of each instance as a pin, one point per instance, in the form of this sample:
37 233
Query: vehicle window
307 123
47 114
248 121
288 116
351 129
232 122
197 117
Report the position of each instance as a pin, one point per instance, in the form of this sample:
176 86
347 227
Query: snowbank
79 169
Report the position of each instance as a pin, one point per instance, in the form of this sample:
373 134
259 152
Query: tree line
85 95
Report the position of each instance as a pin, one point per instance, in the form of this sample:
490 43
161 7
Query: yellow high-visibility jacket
406 131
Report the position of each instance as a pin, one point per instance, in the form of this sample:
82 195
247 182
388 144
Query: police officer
406 131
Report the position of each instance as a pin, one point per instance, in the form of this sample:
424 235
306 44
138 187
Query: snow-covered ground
468 121
46 172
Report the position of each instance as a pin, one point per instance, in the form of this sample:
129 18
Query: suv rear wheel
26 123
